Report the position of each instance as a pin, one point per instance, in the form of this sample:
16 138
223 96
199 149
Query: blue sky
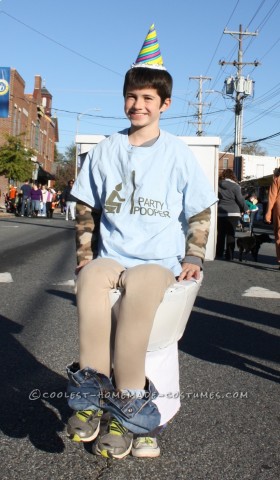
83 49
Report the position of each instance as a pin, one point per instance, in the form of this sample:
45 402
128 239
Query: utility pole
243 87
199 104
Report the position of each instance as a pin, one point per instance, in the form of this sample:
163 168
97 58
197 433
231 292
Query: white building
258 166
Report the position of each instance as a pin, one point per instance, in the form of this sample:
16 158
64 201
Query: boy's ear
166 104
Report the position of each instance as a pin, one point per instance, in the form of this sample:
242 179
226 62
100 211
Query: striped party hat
149 55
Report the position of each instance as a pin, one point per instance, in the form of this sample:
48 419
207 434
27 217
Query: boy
145 191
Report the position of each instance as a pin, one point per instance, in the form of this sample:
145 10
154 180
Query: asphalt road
228 425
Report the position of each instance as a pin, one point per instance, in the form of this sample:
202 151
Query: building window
37 136
15 122
19 122
225 163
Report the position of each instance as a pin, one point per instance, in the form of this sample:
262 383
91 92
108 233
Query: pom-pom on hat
149 55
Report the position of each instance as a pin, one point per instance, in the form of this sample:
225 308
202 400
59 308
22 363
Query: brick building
30 114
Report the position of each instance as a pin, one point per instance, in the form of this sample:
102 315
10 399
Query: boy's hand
189 270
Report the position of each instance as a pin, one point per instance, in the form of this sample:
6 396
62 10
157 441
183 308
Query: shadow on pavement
224 340
23 379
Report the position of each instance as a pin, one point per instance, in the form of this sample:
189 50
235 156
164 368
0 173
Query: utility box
229 85
206 151
248 87
239 84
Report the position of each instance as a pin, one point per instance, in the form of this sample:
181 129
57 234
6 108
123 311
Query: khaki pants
144 287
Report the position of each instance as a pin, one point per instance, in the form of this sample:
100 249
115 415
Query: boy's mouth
136 114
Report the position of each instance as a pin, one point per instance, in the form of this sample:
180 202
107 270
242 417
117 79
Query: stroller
245 222
9 205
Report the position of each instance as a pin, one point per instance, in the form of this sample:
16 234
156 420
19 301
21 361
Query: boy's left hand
189 270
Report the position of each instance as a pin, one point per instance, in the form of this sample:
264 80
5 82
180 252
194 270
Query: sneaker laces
146 440
116 428
84 415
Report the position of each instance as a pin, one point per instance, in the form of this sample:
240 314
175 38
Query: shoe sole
142 453
107 454
76 438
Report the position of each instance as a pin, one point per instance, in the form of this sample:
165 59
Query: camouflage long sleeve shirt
88 230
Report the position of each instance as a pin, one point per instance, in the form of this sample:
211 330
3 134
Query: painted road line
6 277
260 292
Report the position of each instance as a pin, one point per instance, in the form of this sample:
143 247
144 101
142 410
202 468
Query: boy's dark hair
141 77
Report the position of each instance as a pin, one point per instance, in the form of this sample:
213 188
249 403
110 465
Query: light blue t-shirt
146 195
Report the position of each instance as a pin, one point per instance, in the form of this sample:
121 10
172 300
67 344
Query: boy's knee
147 276
101 271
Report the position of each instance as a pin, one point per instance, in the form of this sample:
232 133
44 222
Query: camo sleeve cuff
192 259
87 232
197 236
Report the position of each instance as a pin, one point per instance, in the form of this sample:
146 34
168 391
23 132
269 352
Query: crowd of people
37 200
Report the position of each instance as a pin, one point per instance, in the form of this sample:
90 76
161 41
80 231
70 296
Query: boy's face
143 107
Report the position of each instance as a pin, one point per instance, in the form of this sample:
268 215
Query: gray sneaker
116 443
145 447
84 425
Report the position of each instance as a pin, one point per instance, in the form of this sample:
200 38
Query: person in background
59 201
43 210
273 210
50 202
12 197
231 204
69 201
36 198
251 202
26 198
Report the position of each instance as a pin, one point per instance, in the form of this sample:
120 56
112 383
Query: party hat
149 55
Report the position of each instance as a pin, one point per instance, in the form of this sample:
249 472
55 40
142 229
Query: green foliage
15 159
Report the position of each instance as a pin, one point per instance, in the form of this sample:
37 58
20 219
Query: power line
221 38
264 138
61 44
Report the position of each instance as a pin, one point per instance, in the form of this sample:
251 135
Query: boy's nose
138 103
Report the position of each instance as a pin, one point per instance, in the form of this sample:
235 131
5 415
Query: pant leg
28 206
67 210
44 209
23 205
73 210
144 287
232 223
94 312
221 236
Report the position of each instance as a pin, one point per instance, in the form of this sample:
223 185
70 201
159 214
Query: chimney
37 88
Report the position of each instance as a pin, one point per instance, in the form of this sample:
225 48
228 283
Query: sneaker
116 443
84 425
145 447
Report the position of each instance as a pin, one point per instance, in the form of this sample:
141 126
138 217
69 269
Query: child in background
251 202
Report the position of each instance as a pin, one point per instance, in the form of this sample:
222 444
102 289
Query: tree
15 159
253 148
65 169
